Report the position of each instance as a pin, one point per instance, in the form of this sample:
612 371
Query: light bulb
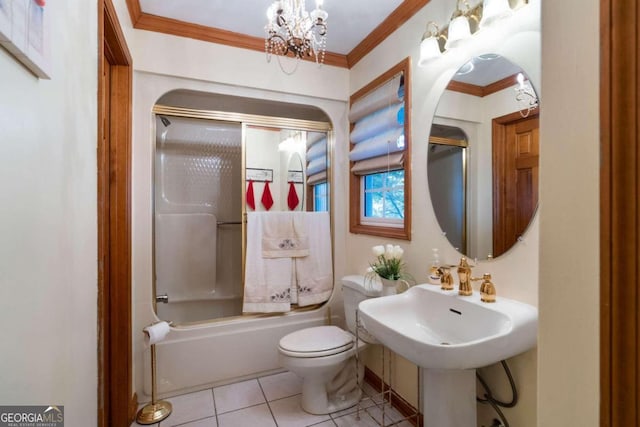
429 50
494 10
459 30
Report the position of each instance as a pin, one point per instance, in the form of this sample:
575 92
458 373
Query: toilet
323 356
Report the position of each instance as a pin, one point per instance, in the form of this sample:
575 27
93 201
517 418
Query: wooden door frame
116 401
619 214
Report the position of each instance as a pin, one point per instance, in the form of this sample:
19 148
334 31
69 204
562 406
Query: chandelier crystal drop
294 32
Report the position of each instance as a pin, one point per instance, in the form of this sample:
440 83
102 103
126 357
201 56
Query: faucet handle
446 280
487 288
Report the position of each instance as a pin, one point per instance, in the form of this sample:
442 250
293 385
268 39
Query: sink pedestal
449 397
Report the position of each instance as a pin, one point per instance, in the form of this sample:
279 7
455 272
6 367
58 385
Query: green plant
388 263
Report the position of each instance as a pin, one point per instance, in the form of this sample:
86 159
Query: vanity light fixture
493 11
525 96
430 44
459 27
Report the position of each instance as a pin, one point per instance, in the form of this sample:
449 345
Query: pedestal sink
449 336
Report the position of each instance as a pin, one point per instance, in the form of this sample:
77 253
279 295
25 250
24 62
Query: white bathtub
199 356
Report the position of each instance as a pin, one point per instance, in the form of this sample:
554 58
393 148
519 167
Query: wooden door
116 404
515 177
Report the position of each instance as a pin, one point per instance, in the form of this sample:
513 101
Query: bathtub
199 356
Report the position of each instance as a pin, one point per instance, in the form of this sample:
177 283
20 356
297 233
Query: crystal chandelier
292 31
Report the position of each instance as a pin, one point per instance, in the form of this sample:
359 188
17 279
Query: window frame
356 186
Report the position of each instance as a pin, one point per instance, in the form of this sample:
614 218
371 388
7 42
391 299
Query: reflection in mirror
293 163
483 157
447 181
295 183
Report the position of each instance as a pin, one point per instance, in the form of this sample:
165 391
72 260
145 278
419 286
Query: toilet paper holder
156 410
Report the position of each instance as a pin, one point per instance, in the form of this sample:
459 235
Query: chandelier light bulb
292 31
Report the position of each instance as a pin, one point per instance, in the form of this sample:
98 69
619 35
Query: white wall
568 382
48 249
516 272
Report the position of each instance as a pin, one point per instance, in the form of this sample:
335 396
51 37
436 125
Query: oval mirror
482 163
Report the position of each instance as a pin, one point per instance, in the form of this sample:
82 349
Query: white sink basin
438 329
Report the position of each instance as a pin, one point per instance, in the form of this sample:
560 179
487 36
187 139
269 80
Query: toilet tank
354 290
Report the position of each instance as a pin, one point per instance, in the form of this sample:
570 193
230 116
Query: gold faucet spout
464 276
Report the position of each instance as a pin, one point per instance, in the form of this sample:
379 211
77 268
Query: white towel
267 281
284 235
315 272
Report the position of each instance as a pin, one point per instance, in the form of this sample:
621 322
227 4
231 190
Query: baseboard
397 401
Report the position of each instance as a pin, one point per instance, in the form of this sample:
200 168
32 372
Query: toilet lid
317 341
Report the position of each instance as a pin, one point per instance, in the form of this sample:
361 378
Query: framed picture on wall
24 32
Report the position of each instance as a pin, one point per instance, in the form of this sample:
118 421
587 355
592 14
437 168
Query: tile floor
270 401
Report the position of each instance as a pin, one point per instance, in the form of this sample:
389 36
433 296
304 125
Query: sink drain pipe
496 404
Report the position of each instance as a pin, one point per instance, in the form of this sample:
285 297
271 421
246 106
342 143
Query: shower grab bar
229 223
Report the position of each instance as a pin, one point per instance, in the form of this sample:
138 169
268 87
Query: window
380 179
383 195
320 197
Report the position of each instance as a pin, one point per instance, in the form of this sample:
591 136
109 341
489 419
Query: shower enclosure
198 218
205 161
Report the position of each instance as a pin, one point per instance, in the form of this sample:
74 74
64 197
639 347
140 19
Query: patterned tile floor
270 401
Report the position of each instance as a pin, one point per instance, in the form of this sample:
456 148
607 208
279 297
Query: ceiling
348 24
355 27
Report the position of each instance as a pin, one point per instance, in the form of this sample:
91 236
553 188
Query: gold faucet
487 288
446 280
464 276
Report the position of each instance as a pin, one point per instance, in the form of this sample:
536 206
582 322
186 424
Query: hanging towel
251 202
314 273
267 200
284 235
292 197
267 281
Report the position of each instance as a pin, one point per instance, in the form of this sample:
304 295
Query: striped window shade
316 158
377 134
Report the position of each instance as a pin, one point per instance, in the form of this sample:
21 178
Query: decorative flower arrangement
388 263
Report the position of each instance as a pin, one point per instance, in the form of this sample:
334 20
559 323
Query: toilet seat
317 341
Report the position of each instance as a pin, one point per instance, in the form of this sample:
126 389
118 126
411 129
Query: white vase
388 286
392 287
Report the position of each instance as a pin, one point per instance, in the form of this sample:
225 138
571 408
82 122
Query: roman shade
316 158
377 134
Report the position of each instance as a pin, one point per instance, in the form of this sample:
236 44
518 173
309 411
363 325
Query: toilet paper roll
156 332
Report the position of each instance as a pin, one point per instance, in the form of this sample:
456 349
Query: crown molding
482 91
399 16
146 21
